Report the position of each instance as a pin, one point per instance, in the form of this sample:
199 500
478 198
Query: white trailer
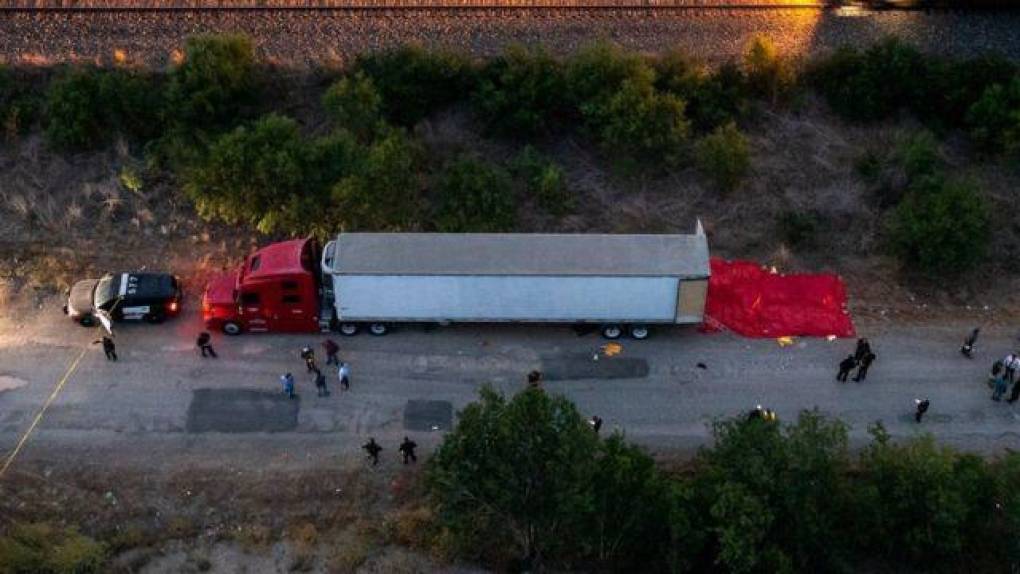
624 283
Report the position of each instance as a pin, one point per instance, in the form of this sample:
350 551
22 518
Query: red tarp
751 301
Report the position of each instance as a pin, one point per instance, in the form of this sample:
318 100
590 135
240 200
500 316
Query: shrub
86 106
521 93
874 84
641 123
798 229
415 82
18 103
919 156
545 181
954 85
473 196
43 549
768 74
713 98
940 228
724 156
215 84
994 119
355 104
600 70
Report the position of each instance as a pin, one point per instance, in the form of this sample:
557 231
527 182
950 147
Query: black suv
148 297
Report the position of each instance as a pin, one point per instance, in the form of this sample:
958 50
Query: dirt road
162 405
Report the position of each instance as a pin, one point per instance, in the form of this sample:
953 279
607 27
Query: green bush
545 180
713 98
415 82
521 93
768 75
954 85
724 156
355 104
600 70
940 228
994 119
19 104
44 549
474 196
640 122
798 229
87 106
919 156
216 84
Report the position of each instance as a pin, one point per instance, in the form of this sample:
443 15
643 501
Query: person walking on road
596 423
109 348
1008 365
535 379
922 407
309 356
845 366
320 384
968 344
204 344
1014 395
343 372
373 449
331 348
287 382
1000 387
862 367
863 348
407 449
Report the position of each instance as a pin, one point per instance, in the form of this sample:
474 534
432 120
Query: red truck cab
275 289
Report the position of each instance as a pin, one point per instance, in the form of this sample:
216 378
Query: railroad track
41 6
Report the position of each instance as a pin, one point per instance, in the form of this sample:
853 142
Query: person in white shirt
344 372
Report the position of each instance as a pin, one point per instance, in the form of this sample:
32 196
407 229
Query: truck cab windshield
106 293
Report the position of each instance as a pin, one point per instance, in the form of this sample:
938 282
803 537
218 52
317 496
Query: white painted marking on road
11 383
42 411
254 349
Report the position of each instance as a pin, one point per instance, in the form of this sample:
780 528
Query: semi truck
622 284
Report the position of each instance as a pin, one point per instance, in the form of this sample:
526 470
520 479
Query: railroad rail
104 5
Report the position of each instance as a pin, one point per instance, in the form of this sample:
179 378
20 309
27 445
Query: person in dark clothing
596 423
204 344
968 344
331 348
320 384
407 449
535 379
109 348
309 356
863 348
1014 394
845 366
373 449
862 367
922 407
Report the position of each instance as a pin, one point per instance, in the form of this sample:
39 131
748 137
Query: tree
768 74
641 123
474 196
545 181
724 156
211 89
355 104
940 228
515 475
521 93
994 119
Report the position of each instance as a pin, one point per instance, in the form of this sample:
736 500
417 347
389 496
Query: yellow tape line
42 411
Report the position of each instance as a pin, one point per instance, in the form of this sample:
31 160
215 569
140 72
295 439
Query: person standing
407 449
968 344
309 357
863 348
320 384
1000 387
373 449
1008 367
596 423
287 382
845 366
535 379
331 348
204 344
862 367
109 348
343 372
922 407
1015 393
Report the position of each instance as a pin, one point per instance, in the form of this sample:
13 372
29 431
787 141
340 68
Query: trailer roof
521 254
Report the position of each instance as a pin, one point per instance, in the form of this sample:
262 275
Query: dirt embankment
332 37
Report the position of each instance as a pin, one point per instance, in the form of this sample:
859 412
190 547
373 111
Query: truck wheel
348 329
639 332
378 329
231 328
612 331
87 321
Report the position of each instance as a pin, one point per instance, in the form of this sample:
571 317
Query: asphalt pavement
162 404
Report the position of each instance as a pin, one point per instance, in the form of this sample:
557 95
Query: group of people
1006 372
332 358
406 448
861 359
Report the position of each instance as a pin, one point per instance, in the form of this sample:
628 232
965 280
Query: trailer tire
232 328
87 321
611 331
639 332
348 329
378 329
